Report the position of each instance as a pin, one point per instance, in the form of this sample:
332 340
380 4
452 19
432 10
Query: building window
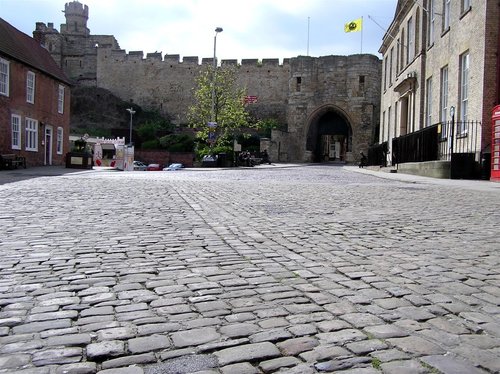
60 101
410 41
382 135
31 137
397 57
430 26
16 131
391 60
446 14
4 77
386 73
389 125
361 84
444 100
60 133
464 91
417 31
403 50
428 117
298 83
30 87
466 5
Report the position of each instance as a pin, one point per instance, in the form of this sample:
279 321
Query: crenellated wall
301 92
166 84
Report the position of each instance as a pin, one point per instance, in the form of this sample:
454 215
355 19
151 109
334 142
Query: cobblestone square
305 269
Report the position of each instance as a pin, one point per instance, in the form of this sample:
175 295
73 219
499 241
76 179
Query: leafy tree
265 126
229 108
177 143
151 144
153 129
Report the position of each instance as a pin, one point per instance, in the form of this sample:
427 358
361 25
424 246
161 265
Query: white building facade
440 64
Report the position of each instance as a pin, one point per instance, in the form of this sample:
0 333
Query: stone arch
329 134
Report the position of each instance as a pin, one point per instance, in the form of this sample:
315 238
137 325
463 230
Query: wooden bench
12 161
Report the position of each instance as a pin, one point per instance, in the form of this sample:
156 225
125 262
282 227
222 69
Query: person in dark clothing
265 157
364 161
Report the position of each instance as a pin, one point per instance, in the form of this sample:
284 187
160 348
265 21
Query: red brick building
34 100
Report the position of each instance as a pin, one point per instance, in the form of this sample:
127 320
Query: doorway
48 145
329 137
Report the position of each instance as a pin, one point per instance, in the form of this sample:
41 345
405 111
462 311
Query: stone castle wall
347 85
297 92
166 85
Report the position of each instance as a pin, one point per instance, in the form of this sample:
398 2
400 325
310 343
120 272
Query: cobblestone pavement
292 270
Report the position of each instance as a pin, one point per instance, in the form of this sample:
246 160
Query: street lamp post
132 112
217 30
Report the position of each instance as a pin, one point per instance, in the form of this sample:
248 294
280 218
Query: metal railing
418 146
377 154
435 143
466 139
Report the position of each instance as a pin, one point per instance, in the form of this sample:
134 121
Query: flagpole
308 22
361 34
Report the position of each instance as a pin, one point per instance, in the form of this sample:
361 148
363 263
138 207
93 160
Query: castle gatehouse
329 106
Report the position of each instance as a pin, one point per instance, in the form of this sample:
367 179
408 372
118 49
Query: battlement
75 8
42 27
175 59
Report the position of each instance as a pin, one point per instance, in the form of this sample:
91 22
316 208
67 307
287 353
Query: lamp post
217 30
132 112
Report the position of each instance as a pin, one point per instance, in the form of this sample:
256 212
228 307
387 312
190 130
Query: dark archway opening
329 137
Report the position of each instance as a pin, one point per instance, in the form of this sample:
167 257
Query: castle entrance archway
329 137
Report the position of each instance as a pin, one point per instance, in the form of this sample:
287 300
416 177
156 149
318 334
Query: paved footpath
305 269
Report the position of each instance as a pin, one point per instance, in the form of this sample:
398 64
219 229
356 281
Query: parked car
173 167
139 165
153 167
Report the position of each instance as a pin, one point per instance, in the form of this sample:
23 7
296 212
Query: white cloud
252 29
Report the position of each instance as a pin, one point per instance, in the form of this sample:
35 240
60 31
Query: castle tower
50 38
77 16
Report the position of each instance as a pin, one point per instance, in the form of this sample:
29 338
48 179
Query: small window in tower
80 63
361 83
299 83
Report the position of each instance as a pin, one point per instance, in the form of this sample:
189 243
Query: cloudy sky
252 29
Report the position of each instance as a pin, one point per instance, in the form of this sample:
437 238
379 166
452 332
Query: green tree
153 129
265 126
229 109
177 143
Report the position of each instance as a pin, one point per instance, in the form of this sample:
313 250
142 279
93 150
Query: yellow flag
354 26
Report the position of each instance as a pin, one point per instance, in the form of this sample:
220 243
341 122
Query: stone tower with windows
77 16
73 48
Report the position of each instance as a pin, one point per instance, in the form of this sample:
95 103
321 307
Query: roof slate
23 48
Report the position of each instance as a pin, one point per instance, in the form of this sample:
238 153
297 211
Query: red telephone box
495 145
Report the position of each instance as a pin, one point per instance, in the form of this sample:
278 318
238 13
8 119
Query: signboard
129 158
120 157
250 99
211 132
236 146
212 137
